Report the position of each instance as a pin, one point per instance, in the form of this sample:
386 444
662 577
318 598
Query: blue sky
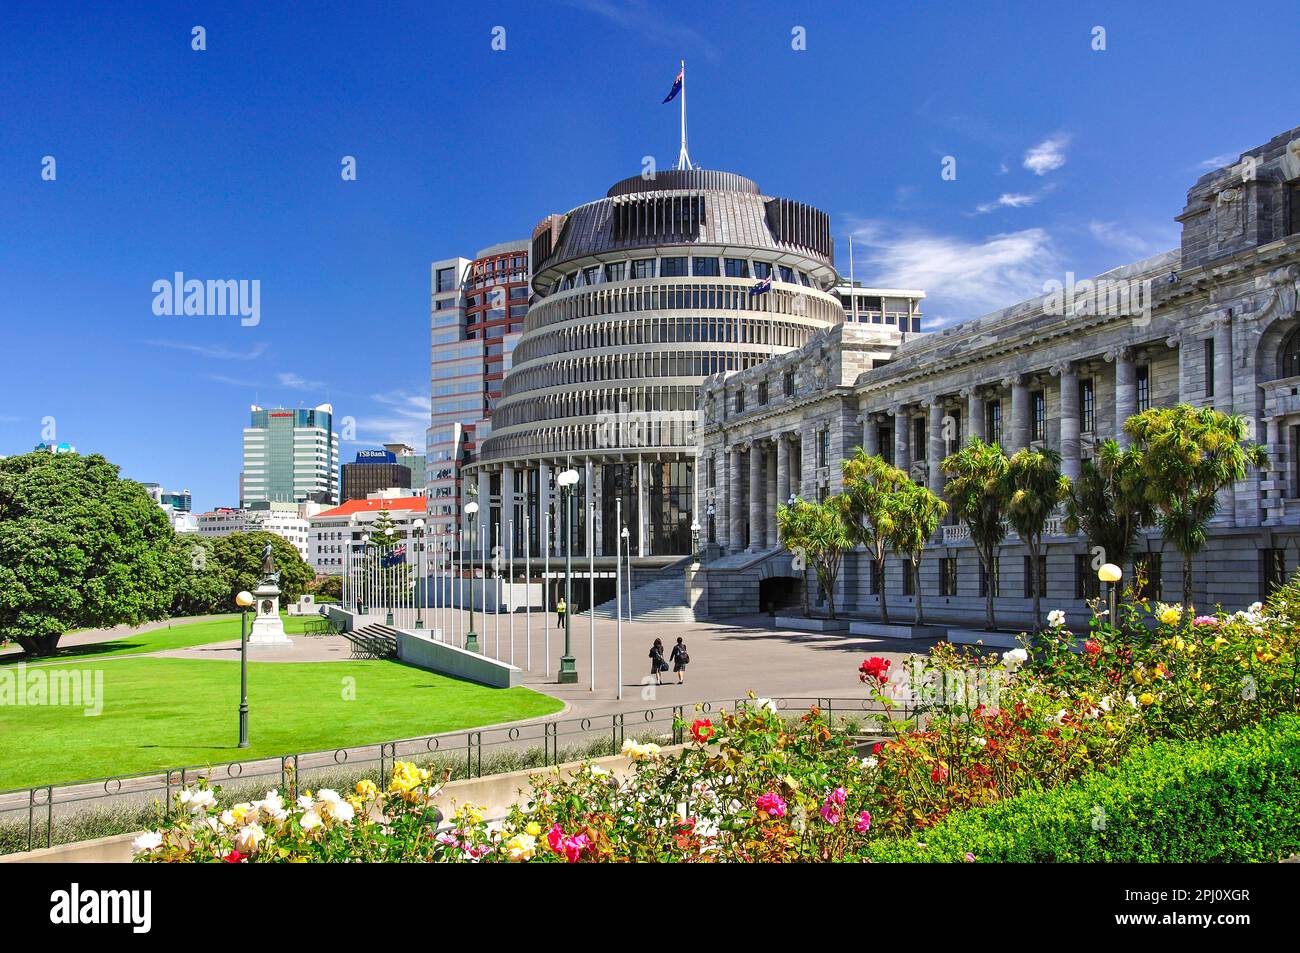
226 164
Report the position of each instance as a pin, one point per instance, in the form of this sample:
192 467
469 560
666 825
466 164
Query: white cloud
1218 162
1007 200
962 278
1134 242
290 379
403 416
215 351
1047 155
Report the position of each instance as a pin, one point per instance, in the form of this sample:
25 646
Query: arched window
1289 359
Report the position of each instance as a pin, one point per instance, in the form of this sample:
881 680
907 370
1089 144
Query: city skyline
173 160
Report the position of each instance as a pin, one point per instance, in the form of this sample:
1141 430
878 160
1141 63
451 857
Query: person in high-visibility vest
560 609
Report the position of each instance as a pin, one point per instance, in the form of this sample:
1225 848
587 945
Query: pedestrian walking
560 609
681 658
657 664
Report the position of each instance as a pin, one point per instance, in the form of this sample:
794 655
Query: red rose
1092 646
234 857
702 730
874 669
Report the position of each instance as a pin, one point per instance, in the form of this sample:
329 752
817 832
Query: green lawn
179 635
162 712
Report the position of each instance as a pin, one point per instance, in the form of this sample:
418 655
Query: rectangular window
1147 572
672 267
1087 406
705 267
1272 571
1086 583
1209 367
1040 416
762 269
1036 580
1293 196
993 422
616 271
823 448
952 436
740 401
446 279
762 392
736 267
1142 380
787 384
643 268
909 577
984 578
948 576
918 439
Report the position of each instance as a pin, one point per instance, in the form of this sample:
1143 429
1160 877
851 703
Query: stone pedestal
268 629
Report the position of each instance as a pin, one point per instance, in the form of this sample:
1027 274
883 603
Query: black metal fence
61 813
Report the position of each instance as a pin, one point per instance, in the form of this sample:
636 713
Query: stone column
769 508
1020 422
589 514
642 499
1223 364
598 517
544 527
974 413
902 439
735 499
870 435
756 494
1125 394
508 507
935 452
1069 419
782 468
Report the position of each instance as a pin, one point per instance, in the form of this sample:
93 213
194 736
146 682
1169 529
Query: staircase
373 641
662 600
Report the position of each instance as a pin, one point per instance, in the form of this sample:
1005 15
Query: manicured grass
163 712
179 635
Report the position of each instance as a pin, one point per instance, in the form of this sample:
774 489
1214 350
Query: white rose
146 842
311 820
249 837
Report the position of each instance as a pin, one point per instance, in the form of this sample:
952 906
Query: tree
202 586
380 534
240 555
80 547
1188 455
870 485
328 587
977 491
820 532
917 515
1108 502
1036 487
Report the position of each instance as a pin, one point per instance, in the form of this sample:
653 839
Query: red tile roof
396 504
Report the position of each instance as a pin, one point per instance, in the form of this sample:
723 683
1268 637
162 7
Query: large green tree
1188 455
977 490
1035 487
203 586
80 547
240 555
870 488
1108 502
818 531
917 515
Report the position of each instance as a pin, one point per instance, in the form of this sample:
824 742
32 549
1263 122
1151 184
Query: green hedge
1231 798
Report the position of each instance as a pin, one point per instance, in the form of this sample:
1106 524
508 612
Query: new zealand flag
677 87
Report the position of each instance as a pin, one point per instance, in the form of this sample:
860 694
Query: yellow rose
521 847
366 788
533 829
1147 698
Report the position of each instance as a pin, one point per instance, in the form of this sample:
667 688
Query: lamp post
471 639
627 541
568 666
1111 574
243 600
418 528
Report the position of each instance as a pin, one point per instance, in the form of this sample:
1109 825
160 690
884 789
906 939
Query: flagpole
683 160
851 292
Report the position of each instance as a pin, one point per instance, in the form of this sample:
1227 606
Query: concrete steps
660 601
373 641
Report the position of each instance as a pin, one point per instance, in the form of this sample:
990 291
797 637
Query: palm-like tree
820 532
1188 455
1036 487
917 515
870 485
977 491
1109 504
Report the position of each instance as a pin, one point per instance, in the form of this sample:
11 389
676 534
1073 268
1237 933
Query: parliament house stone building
1211 323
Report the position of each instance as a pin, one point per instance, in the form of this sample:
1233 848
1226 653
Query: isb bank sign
376 456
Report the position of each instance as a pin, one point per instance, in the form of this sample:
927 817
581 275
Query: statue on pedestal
268 629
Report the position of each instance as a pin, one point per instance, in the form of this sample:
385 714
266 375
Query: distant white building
287 520
336 530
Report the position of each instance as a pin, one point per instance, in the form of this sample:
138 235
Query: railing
29 816
959 532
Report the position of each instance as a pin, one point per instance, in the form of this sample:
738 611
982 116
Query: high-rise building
291 455
637 298
477 316
375 470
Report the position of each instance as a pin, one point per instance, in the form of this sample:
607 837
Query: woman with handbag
680 659
657 664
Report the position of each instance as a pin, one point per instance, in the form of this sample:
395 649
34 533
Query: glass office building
291 455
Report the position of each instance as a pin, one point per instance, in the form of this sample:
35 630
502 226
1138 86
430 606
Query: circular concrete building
637 298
